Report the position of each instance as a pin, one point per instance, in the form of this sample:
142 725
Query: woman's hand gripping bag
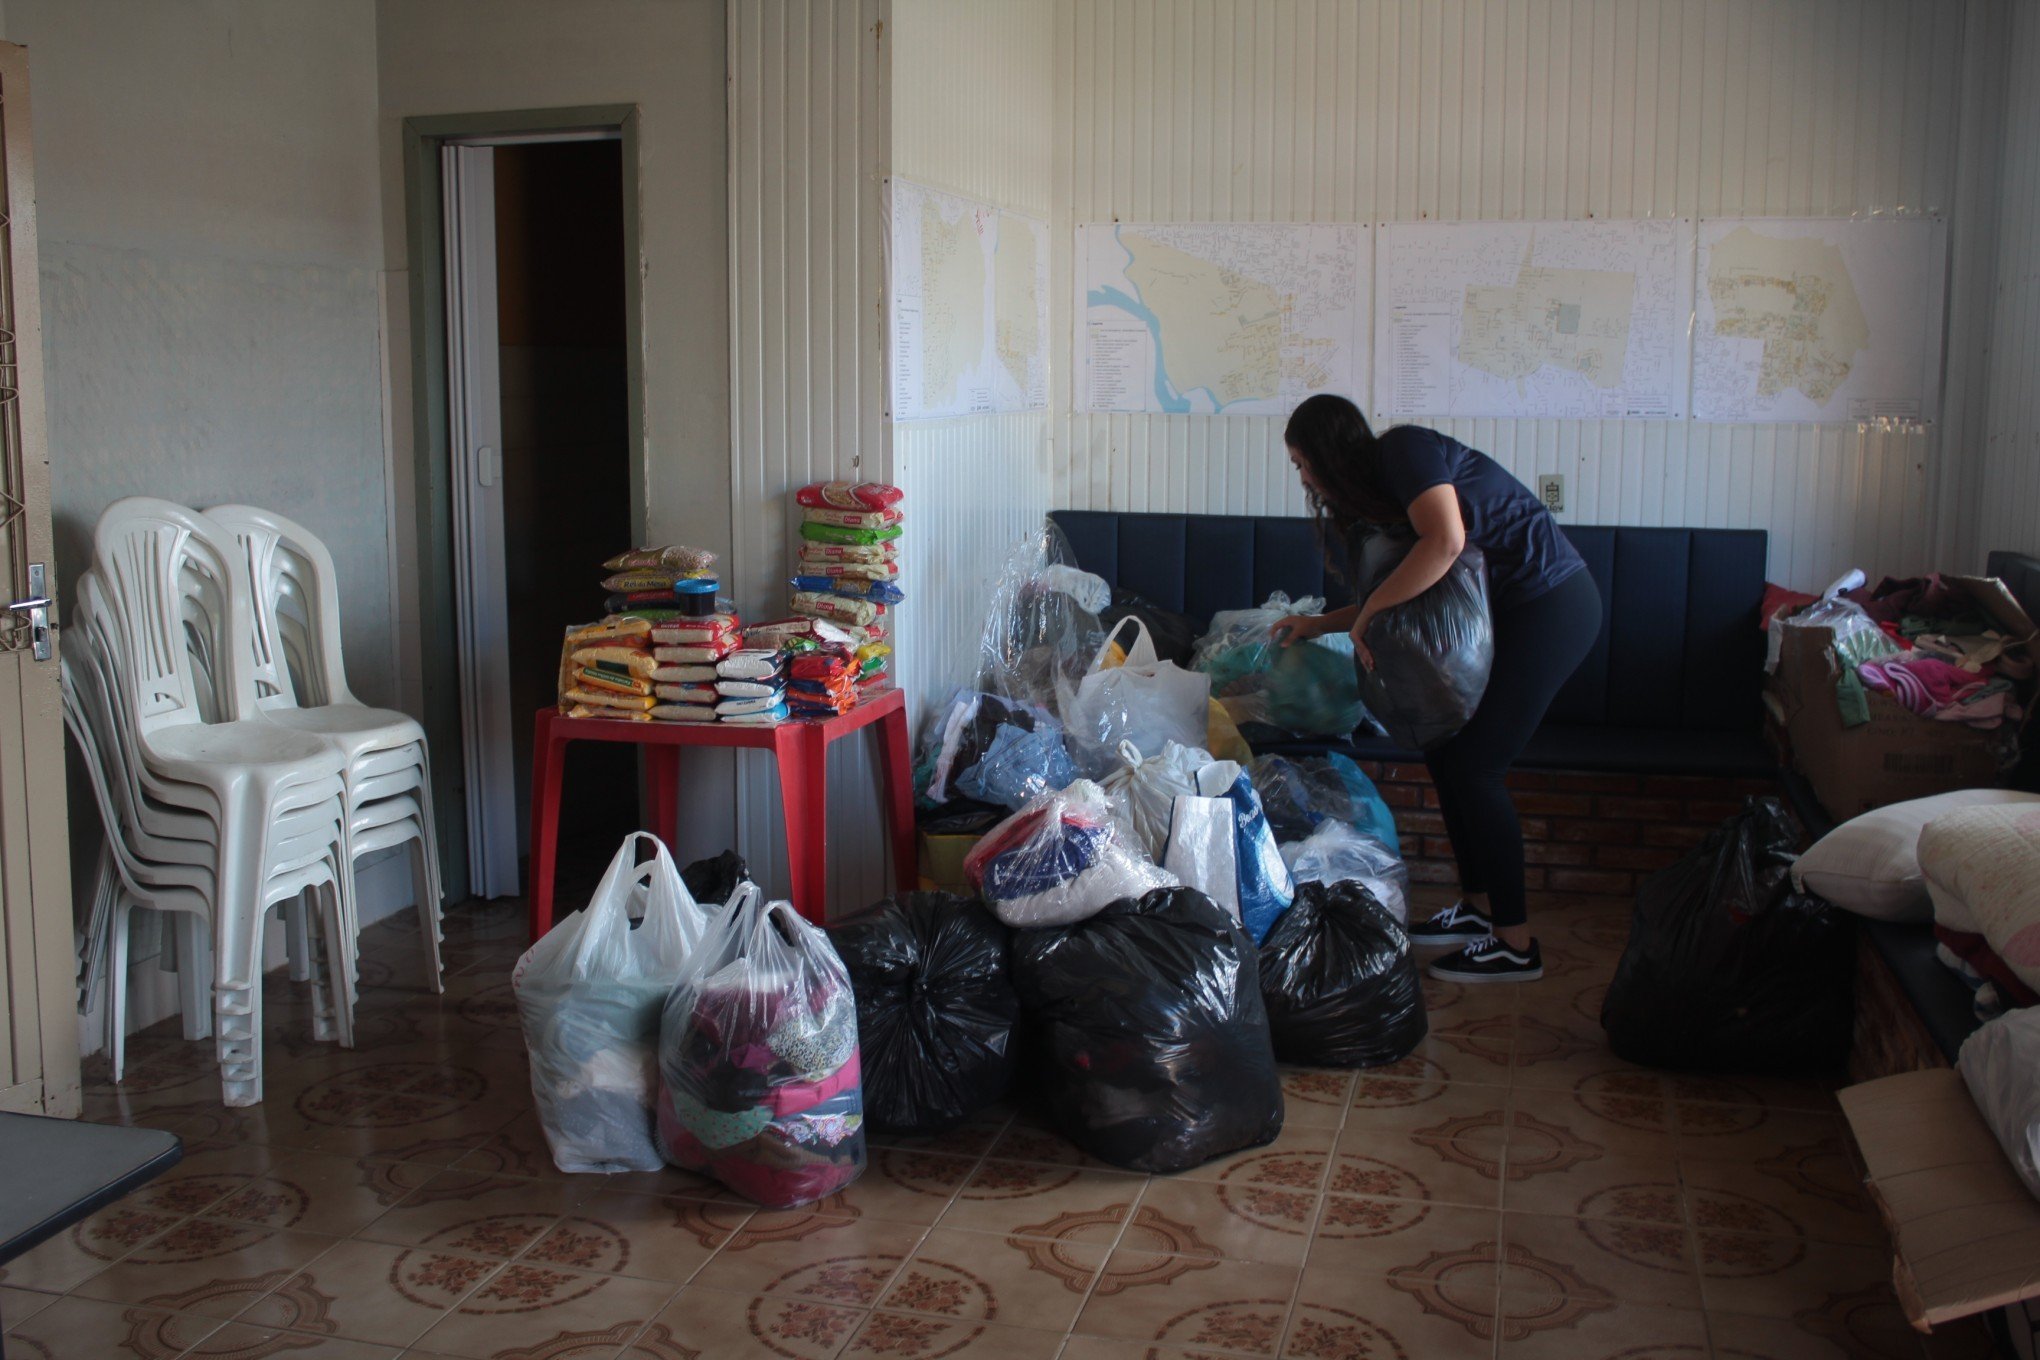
936 1009
1154 1042
759 1075
590 994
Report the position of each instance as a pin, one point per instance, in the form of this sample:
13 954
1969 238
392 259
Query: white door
474 405
39 1018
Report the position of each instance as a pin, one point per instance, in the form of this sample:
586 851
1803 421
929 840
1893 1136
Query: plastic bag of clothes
1059 860
1154 1039
1997 1063
1857 638
759 1078
1308 688
1727 968
1144 702
1220 844
1432 654
1041 630
963 733
935 1009
1337 853
1301 793
589 994
1144 791
1338 981
1175 635
1019 766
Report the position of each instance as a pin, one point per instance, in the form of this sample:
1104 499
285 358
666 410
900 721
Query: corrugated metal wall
972 113
1344 110
808 147
2010 474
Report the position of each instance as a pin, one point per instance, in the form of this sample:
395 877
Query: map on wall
1550 320
1218 318
969 306
1818 319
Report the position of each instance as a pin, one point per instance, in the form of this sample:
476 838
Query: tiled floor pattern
1511 1190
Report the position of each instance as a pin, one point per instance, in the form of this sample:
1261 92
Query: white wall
808 107
1347 110
668 58
2009 484
972 113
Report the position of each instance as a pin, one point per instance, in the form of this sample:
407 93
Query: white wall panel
1351 110
972 94
2010 472
808 148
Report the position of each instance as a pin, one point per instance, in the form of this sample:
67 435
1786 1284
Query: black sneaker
1489 960
1457 924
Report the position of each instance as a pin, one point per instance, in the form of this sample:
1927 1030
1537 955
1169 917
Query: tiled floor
1511 1190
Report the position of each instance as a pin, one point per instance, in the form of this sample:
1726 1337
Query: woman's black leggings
1538 645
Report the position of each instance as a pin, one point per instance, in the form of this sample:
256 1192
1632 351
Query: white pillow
1871 866
2000 1064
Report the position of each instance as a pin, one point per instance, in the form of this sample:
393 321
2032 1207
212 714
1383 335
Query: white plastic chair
295 618
242 774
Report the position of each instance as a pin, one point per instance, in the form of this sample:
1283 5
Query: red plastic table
801 751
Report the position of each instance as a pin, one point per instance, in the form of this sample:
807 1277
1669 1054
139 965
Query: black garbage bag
1338 981
1155 1053
1174 635
1431 655
935 1009
1728 968
711 881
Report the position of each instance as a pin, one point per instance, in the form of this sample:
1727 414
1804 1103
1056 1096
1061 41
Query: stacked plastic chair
301 683
215 809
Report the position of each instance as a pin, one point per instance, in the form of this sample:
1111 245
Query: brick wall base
1584 835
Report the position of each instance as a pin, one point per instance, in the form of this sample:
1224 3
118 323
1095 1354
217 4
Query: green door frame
432 462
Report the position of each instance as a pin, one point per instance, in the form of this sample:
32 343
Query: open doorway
538 474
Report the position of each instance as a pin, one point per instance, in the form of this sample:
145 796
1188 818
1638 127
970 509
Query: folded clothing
685 675
851 519
683 712
703 654
599 699
813 555
837 607
752 663
677 558
857 587
688 694
1924 684
609 630
836 533
848 496
590 677
764 717
736 706
585 711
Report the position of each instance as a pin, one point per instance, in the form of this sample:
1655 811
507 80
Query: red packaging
849 495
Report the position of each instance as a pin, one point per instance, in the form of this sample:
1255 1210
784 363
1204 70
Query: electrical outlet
1551 490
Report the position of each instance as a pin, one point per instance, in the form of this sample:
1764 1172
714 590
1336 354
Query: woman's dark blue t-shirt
1526 554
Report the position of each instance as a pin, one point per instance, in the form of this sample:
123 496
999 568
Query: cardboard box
1897 755
1965 1228
942 862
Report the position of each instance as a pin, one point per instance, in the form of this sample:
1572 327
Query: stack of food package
606 671
687 652
654 657
751 686
847 575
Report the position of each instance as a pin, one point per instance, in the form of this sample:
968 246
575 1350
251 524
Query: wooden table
55 1172
799 747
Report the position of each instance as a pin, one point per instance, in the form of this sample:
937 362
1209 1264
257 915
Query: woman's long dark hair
1334 441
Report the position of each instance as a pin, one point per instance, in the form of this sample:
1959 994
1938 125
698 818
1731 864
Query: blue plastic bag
1300 793
1019 767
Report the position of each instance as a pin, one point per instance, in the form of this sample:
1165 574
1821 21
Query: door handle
37 610
485 465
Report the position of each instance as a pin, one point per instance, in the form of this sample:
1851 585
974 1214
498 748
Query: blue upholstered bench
1673 686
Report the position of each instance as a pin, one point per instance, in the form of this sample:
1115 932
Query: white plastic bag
1144 790
1062 858
1998 1063
1148 702
1857 636
1339 853
589 993
1203 849
760 1081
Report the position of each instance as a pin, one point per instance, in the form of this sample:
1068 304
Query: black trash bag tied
1155 1051
1340 986
1432 654
936 1009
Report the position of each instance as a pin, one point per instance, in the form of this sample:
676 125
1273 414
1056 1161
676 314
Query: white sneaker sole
1447 975
1446 941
